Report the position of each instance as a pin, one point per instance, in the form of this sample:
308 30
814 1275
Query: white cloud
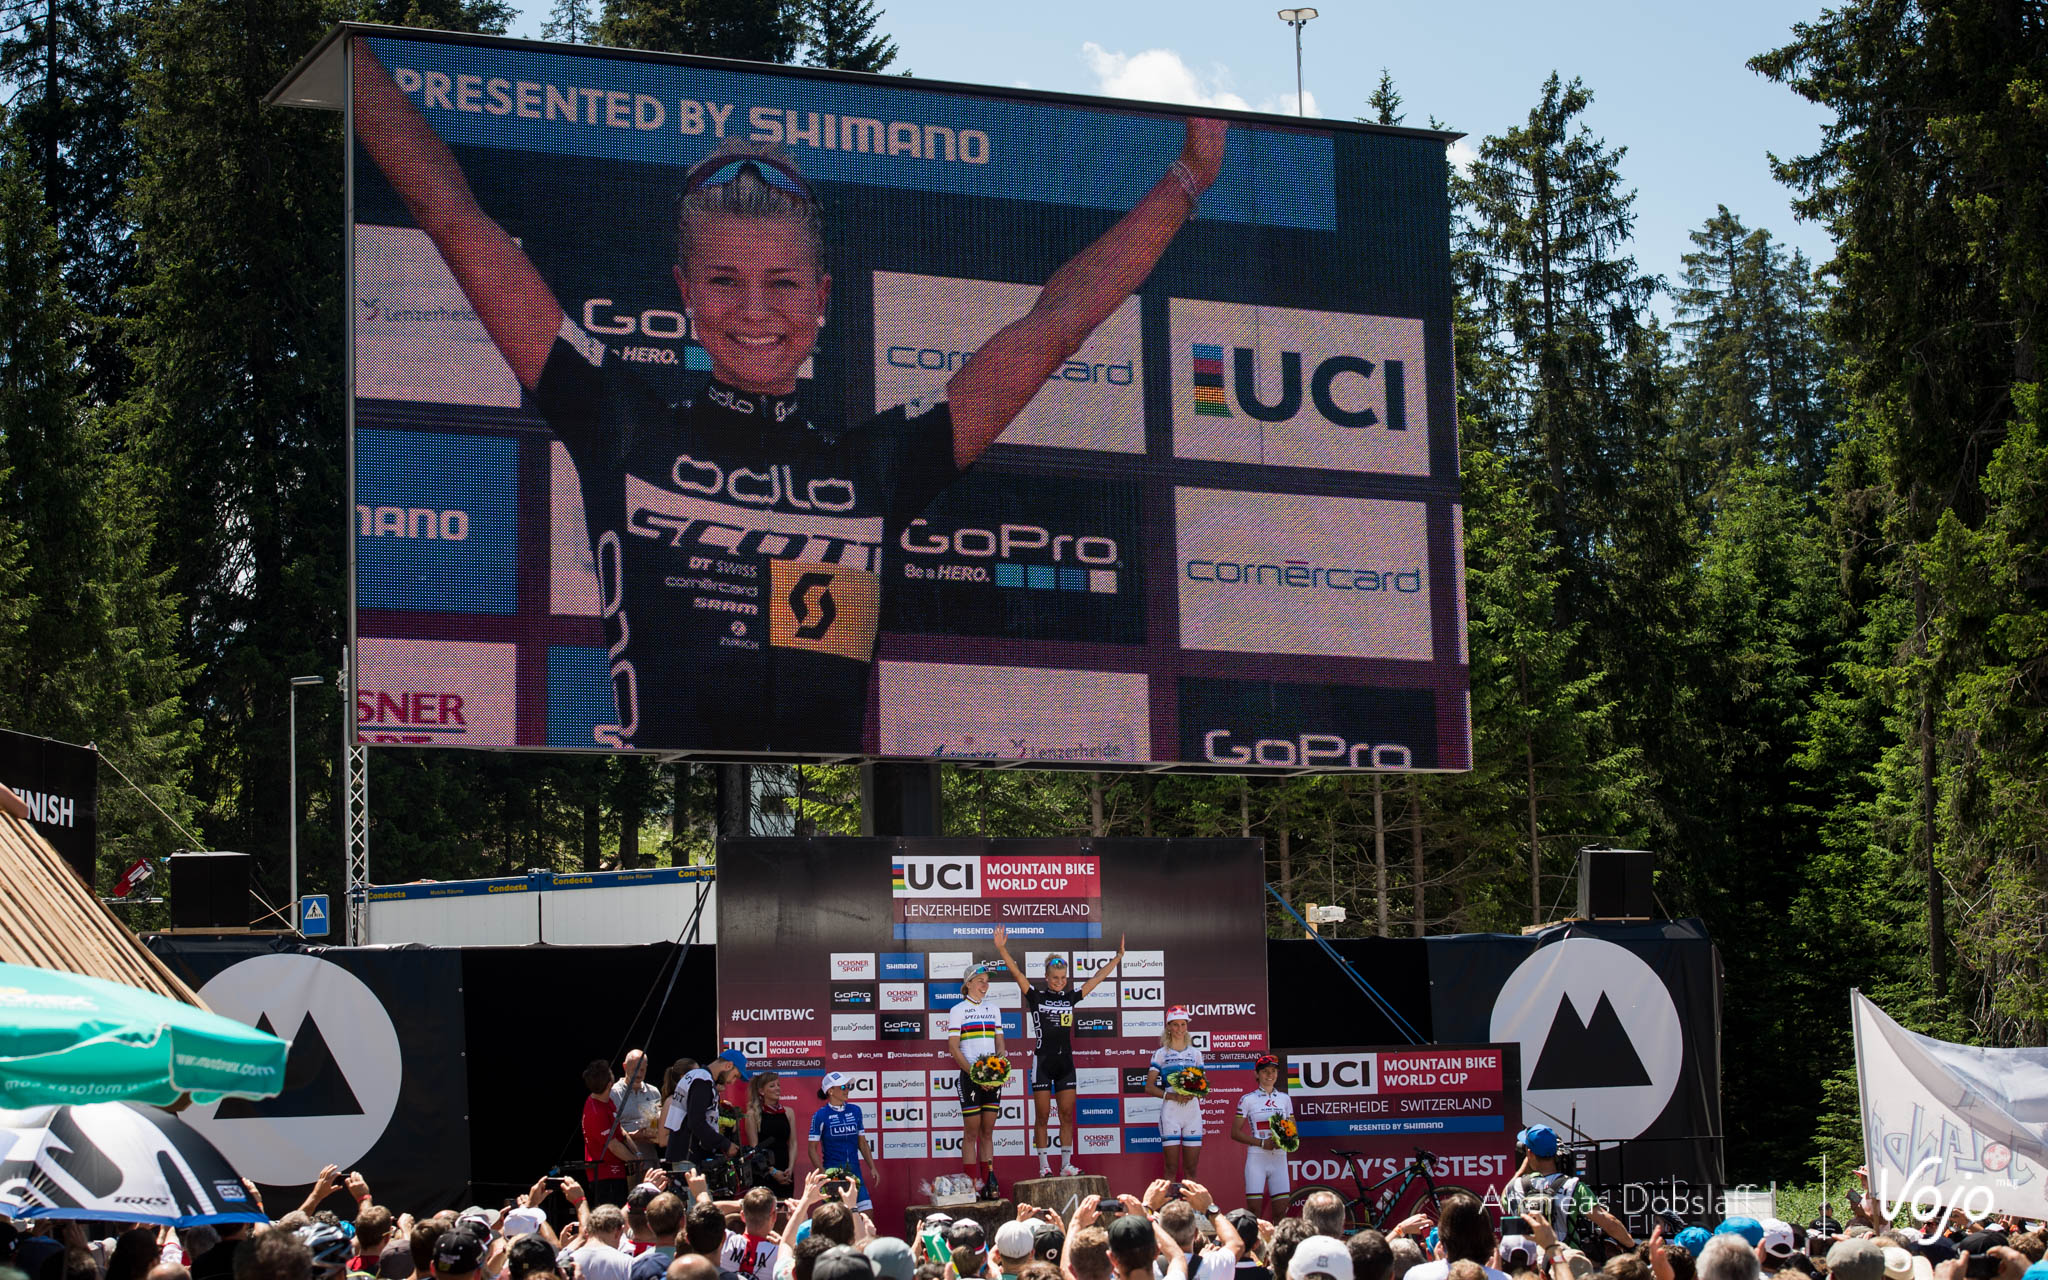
1463 154
1159 75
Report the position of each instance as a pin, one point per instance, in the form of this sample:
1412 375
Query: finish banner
1366 1115
747 410
847 955
60 784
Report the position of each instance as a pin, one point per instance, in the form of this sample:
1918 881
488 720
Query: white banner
1950 1124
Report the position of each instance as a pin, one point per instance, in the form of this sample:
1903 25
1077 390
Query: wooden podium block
1059 1194
989 1213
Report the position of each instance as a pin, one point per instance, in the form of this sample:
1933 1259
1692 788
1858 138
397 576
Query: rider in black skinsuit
1051 1003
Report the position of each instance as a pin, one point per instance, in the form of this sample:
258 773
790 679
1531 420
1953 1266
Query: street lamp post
292 767
1297 18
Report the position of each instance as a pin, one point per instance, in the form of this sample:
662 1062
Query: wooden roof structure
52 921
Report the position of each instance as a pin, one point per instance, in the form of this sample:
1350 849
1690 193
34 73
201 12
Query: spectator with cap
1779 1241
843 1262
692 1119
458 1254
1321 1258
1133 1246
1014 1247
1251 1266
968 1243
1538 1179
891 1258
664 1220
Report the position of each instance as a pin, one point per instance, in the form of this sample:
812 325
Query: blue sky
1668 78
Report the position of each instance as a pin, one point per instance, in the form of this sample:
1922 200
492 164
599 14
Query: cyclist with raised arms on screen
738 545
1051 1003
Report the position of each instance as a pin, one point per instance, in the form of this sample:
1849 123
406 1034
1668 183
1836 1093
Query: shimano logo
1222 747
945 360
772 487
443 525
774 1015
1302 574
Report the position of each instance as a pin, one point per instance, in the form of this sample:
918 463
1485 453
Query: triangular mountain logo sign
313 1082
1587 1055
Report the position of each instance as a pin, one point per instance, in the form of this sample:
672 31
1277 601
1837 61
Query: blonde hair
1166 1037
748 195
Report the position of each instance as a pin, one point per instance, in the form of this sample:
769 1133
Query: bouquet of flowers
728 1117
1189 1080
990 1071
1285 1135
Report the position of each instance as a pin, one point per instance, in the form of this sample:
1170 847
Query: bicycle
1382 1204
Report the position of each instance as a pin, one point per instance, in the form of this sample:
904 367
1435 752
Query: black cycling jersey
738 550
1055 1013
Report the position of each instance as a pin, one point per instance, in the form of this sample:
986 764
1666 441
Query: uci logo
1242 379
752 1048
1330 1073
912 877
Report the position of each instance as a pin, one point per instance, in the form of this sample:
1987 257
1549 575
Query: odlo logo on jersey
1222 376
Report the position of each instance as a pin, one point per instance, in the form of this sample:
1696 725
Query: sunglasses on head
721 170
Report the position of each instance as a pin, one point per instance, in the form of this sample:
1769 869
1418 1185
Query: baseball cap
1694 1239
1131 1233
1047 1241
1015 1240
1936 1250
737 1059
966 1234
1540 1139
1320 1255
834 1080
519 1222
2038 1271
1518 1251
1178 1013
1979 1243
891 1257
395 1263
1855 1259
458 1251
1777 1239
1748 1228
842 1262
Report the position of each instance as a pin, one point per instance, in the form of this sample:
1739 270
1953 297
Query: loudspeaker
1614 884
210 891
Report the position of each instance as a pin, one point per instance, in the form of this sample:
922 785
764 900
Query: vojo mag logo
1029 556
934 877
1326 1073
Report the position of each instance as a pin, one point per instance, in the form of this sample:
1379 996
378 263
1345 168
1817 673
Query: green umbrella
65 1038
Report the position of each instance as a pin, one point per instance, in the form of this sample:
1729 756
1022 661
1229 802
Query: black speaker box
1614 884
210 891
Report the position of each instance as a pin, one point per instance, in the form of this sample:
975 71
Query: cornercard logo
1144 1022
853 965
900 1144
1307 574
1312 1074
1276 386
926 328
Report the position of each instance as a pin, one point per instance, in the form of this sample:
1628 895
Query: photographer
692 1120
1540 1187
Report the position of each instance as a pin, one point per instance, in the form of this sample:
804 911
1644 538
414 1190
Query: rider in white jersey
1180 1116
975 1030
1265 1165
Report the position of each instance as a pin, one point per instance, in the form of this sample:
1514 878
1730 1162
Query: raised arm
996 383
516 306
1002 938
1089 986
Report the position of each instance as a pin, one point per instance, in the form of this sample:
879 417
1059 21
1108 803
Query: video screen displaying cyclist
1051 1003
762 637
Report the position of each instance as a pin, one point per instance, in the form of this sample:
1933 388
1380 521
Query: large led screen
730 409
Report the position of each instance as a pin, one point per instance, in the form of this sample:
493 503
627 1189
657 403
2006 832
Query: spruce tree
757 30
569 22
841 34
1385 102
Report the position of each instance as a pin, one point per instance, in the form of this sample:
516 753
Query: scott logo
811 603
1209 388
